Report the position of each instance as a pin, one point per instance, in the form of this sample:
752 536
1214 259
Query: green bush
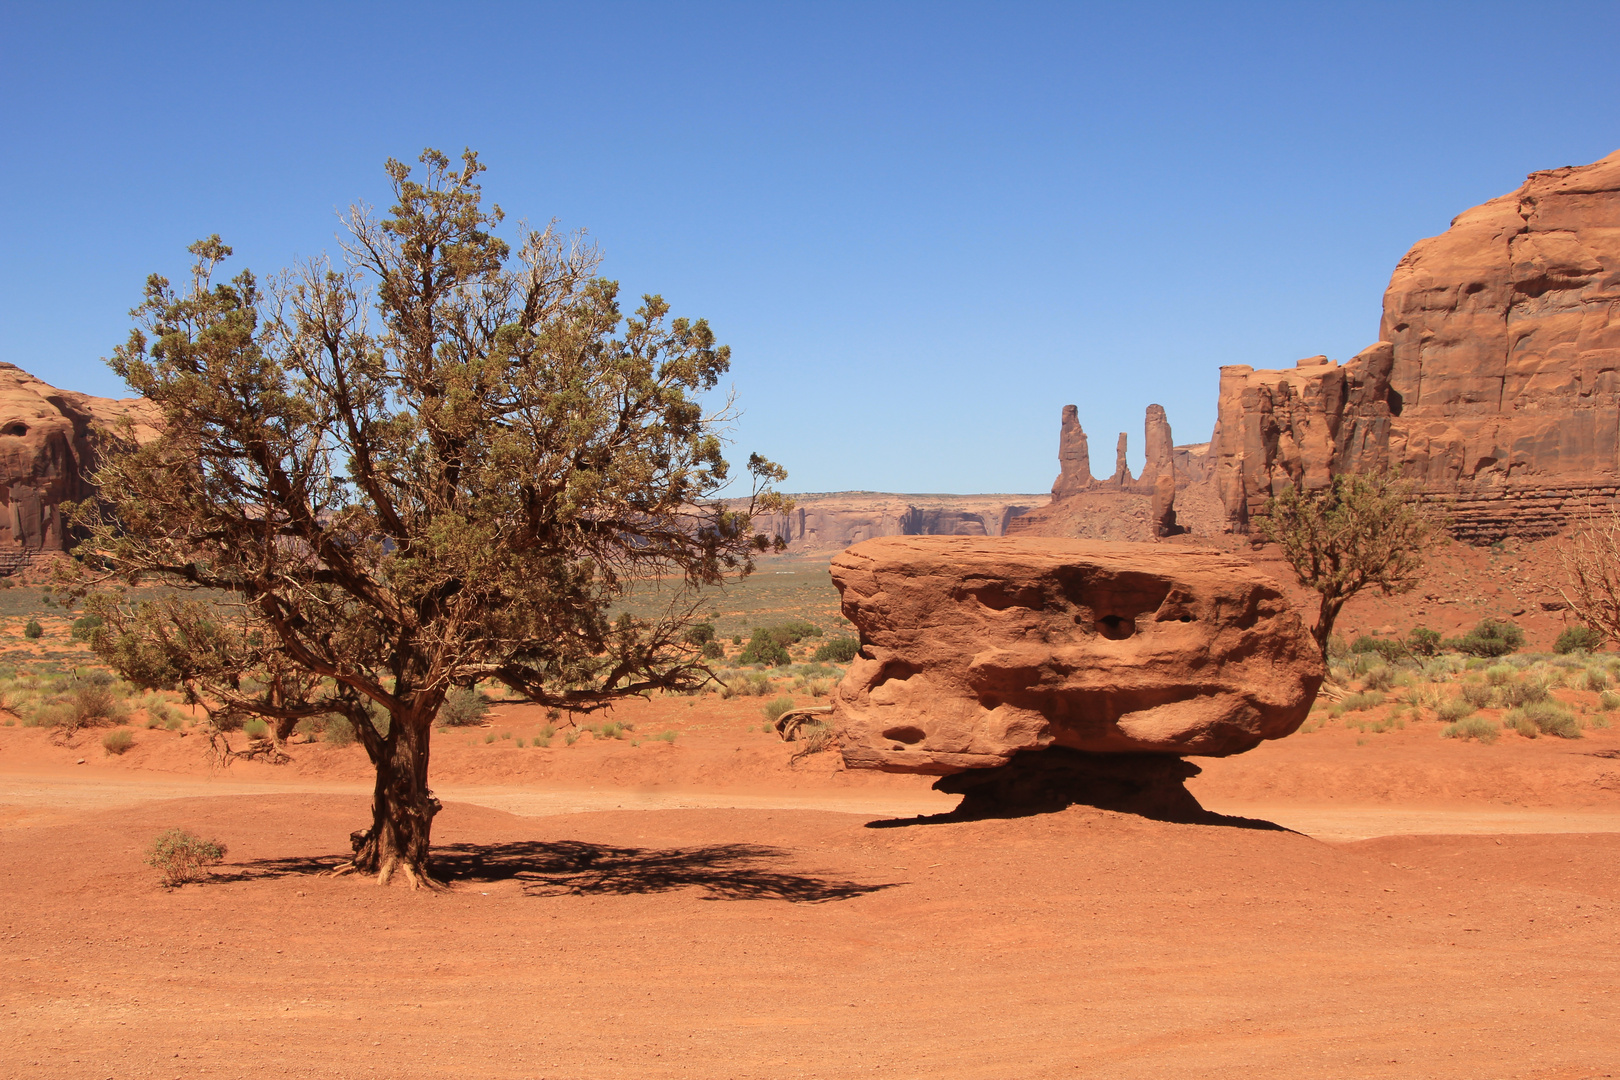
794 631
713 650
338 731
1379 678
1388 648
838 650
84 627
775 709
1478 695
1491 637
1499 674
255 729
463 707
181 856
33 631
700 634
1475 727
1454 710
1546 717
1608 701
116 742
1423 641
1578 639
764 649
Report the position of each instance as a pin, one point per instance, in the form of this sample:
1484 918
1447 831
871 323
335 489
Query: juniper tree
1362 530
437 463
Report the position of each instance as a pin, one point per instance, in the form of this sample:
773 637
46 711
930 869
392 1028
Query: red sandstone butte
976 648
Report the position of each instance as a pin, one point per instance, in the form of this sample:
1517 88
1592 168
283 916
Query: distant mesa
45 451
1495 382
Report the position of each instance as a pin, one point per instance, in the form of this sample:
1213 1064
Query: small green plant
699 633
33 631
1524 692
1479 695
838 650
1608 701
1388 648
116 742
84 627
775 709
1475 727
571 738
1379 678
1521 725
1595 679
255 729
713 650
339 731
181 856
749 684
1578 639
1423 641
1367 700
463 707
1491 637
1546 718
1454 710
667 736
489 736
506 734
1499 674
765 650
519 743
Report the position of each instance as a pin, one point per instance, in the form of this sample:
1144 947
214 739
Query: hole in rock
1115 627
906 734
14 429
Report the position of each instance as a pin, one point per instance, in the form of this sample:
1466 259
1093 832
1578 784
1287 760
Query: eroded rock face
1496 382
974 649
45 448
1074 457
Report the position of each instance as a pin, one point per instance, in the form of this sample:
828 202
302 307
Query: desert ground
1378 901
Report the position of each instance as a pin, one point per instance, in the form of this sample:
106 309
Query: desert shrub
1578 639
611 730
1522 692
1594 679
794 631
775 709
1475 727
1454 710
1491 637
33 631
1338 647
814 737
338 731
713 650
1608 701
1499 674
1479 695
255 729
1379 678
1547 718
765 650
84 627
1427 697
736 639
1423 642
463 707
1388 648
744 684
1358 702
816 688
116 742
838 650
182 856
164 714
699 634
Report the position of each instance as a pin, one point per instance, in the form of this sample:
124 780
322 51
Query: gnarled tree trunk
402 806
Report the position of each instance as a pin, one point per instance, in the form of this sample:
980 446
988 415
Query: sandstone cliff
1494 383
832 521
45 448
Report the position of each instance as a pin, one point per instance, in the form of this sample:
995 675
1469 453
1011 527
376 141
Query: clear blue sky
922 228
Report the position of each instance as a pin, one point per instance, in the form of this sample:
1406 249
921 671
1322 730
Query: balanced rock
974 650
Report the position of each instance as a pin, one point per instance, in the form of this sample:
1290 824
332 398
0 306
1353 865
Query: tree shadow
1199 817
576 868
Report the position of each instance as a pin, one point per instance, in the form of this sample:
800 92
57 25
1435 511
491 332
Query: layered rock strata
833 521
1496 382
46 449
974 650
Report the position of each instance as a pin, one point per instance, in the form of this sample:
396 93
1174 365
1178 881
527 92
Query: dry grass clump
1543 718
1475 727
182 856
116 742
1455 709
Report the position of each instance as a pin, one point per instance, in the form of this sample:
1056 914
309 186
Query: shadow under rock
1047 781
572 867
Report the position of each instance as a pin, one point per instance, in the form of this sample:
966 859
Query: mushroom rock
1495 383
46 448
1074 457
1058 664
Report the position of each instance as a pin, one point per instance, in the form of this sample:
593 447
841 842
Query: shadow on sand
576 868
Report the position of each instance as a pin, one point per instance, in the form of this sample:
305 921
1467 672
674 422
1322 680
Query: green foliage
701 634
463 707
1388 648
745 684
1455 709
1365 530
182 856
338 731
1475 727
1500 674
116 742
33 631
84 627
838 650
1545 717
1379 678
1578 639
255 729
1423 641
764 649
1490 638
1608 701
713 650
775 709
666 736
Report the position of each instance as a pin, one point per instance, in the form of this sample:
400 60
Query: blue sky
922 228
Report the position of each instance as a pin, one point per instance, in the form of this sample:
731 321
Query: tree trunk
1325 616
402 807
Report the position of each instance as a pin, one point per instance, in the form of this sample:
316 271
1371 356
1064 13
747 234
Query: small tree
1361 530
358 515
1590 559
